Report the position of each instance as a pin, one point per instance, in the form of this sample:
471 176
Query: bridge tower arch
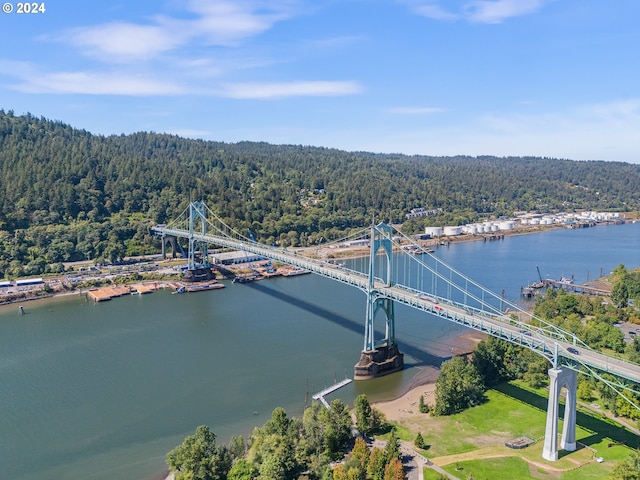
559 378
382 357
169 240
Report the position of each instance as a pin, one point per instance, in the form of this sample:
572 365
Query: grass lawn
473 440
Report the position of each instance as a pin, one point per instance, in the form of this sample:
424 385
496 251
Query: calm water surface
102 392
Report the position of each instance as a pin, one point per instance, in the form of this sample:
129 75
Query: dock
103 294
107 293
569 286
320 395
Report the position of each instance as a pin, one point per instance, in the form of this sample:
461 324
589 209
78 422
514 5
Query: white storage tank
506 225
546 221
452 231
433 231
471 229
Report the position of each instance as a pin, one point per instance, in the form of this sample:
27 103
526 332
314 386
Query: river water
104 391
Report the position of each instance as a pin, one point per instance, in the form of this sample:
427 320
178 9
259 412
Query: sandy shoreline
424 383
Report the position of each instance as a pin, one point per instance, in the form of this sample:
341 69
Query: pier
104 294
320 395
541 286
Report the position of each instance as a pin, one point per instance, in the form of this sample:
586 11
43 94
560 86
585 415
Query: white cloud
485 11
91 83
125 41
432 10
226 22
415 110
290 89
478 11
217 22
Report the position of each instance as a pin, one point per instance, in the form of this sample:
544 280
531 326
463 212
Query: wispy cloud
291 89
496 11
216 22
605 130
431 9
415 110
476 11
92 83
125 42
154 56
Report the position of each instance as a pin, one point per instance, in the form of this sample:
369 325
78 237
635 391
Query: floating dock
331 389
103 294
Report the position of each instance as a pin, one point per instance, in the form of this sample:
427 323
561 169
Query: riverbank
406 404
424 383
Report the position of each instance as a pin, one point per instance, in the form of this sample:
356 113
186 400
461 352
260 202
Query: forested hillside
66 194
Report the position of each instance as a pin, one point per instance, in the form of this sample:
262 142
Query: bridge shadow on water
597 425
422 356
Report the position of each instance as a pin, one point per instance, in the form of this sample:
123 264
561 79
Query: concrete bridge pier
383 360
558 378
171 240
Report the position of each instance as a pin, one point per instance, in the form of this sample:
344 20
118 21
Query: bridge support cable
452 296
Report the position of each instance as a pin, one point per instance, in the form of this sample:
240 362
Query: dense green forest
66 194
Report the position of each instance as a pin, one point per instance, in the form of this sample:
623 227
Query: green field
472 442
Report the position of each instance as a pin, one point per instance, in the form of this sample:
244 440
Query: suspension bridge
398 271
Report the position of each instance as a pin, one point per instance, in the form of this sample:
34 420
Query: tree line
66 194
287 448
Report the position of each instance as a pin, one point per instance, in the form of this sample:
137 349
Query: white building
232 258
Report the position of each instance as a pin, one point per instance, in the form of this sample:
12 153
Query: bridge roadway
544 342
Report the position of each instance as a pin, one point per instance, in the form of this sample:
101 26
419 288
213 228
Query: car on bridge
573 351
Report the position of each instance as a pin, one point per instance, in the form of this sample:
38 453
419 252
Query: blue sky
557 78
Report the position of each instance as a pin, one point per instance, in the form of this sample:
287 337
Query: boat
245 278
296 271
203 286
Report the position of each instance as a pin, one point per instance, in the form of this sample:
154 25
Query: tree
237 447
394 470
339 473
363 414
422 407
419 441
377 464
392 449
628 469
458 386
620 294
360 454
272 469
585 392
489 358
242 470
199 458
337 428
